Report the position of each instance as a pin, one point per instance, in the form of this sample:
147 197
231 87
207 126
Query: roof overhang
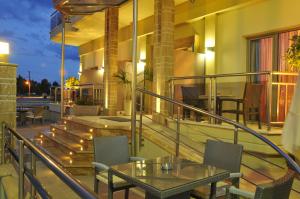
84 7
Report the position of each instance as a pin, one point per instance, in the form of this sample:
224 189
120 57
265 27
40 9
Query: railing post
33 169
209 98
269 100
141 121
178 132
236 136
215 98
3 144
21 169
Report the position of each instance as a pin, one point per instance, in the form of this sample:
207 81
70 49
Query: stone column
7 95
111 59
163 59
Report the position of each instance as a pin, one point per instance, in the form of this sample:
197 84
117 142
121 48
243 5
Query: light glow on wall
4 48
141 67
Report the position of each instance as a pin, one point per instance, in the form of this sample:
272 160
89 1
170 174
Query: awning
84 7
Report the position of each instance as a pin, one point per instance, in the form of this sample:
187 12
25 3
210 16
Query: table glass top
150 172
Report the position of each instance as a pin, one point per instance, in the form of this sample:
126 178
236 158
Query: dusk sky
25 24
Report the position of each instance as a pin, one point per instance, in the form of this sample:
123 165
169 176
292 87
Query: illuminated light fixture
41 136
27 82
53 129
70 153
101 70
141 66
81 148
105 126
53 134
71 161
158 105
91 130
41 141
4 48
91 137
81 141
65 128
65 122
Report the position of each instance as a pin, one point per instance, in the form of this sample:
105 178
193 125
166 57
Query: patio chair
222 155
110 151
279 189
190 96
251 103
37 114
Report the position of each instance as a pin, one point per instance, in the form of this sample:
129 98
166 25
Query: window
267 53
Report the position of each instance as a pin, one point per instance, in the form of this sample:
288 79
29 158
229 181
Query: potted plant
123 79
291 129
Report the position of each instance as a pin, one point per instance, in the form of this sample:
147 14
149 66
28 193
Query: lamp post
29 86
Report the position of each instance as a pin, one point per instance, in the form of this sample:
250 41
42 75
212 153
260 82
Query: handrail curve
290 161
73 183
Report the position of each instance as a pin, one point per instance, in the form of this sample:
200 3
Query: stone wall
7 95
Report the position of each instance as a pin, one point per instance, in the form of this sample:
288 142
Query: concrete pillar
111 59
7 95
163 58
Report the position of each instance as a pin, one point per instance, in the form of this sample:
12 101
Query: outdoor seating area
150 99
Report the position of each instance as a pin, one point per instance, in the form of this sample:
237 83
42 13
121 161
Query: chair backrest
111 150
38 111
252 95
223 155
279 189
190 93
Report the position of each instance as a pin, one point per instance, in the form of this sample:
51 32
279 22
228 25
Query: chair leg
244 117
127 193
258 119
96 185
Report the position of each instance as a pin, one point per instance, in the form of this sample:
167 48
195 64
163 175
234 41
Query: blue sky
25 25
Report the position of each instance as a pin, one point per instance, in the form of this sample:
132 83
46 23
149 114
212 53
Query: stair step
68 144
63 159
77 133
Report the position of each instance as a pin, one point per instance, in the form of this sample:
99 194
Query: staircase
70 143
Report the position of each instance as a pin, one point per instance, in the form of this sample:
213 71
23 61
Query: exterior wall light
4 51
4 48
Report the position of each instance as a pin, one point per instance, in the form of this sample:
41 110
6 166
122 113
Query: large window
267 53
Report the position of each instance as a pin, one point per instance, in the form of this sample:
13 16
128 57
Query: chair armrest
235 175
236 191
100 165
134 159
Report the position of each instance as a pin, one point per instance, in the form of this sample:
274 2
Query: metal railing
9 139
212 88
292 164
97 93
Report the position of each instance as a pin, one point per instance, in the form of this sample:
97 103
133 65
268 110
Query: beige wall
234 26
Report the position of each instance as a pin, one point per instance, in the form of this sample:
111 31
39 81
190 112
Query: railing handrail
290 161
74 184
234 75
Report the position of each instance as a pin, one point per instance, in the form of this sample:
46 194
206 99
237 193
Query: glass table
176 182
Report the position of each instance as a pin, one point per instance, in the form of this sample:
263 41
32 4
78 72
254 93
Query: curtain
285 93
265 64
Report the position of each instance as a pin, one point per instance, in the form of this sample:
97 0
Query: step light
105 126
53 134
91 137
81 141
65 122
81 148
53 129
70 153
91 130
71 161
41 136
65 128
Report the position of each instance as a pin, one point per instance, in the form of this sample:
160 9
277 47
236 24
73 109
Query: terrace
181 65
